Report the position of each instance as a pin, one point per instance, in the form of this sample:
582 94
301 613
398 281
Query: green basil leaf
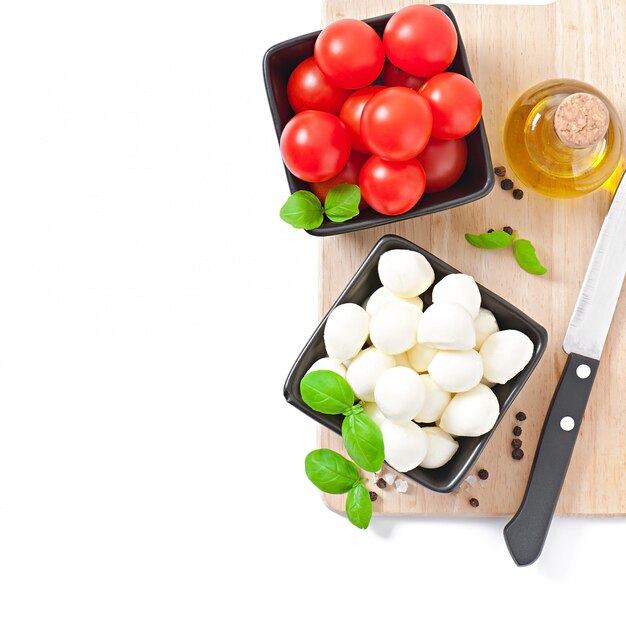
326 392
330 471
342 202
302 210
359 506
490 241
363 441
526 256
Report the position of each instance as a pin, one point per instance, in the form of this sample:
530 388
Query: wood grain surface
511 48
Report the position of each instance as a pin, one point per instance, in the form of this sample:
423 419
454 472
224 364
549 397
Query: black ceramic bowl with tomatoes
466 162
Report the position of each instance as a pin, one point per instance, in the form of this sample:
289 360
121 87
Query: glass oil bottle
563 138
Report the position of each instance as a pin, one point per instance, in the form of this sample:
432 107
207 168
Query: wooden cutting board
511 48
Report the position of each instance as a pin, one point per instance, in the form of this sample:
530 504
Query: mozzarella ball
471 413
485 325
328 364
365 369
420 356
459 289
441 448
447 326
435 402
505 354
406 445
346 331
393 329
405 272
373 411
402 360
456 371
383 296
400 394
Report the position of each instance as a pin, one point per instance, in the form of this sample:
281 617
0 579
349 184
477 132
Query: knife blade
586 334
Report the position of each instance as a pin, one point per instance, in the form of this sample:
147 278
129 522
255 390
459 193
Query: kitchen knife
525 534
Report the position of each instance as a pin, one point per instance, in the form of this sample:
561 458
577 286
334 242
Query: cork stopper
581 120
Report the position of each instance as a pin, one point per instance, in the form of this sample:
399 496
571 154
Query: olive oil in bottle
563 138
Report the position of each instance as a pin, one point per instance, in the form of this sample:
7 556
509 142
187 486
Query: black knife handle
526 533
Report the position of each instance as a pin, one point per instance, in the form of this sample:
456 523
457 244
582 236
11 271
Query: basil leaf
326 392
526 256
330 471
302 210
363 441
359 506
342 202
490 241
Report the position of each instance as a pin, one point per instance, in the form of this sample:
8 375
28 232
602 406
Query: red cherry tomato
392 76
455 103
396 123
351 114
350 174
420 40
392 188
309 89
444 162
315 145
349 53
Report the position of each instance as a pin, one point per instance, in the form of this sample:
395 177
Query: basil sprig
523 250
303 210
363 441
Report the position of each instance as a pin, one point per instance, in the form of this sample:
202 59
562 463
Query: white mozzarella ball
383 296
406 445
441 448
400 394
393 329
365 369
471 413
402 360
459 289
328 364
373 411
505 354
405 272
485 325
420 357
346 331
447 326
456 371
435 402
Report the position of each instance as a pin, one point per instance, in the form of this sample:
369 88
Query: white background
151 303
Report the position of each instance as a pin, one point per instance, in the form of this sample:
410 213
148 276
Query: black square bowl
477 180
364 283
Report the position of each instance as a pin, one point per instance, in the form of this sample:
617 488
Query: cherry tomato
309 89
444 162
455 103
351 114
392 188
396 123
392 76
349 174
349 53
420 40
315 145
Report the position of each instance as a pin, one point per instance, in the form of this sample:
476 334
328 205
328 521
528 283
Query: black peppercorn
508 229
500 171
474 502
515 443
517 453
517 430
381 483
483 475
373 496
518 194
506 184
520 416
490 231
